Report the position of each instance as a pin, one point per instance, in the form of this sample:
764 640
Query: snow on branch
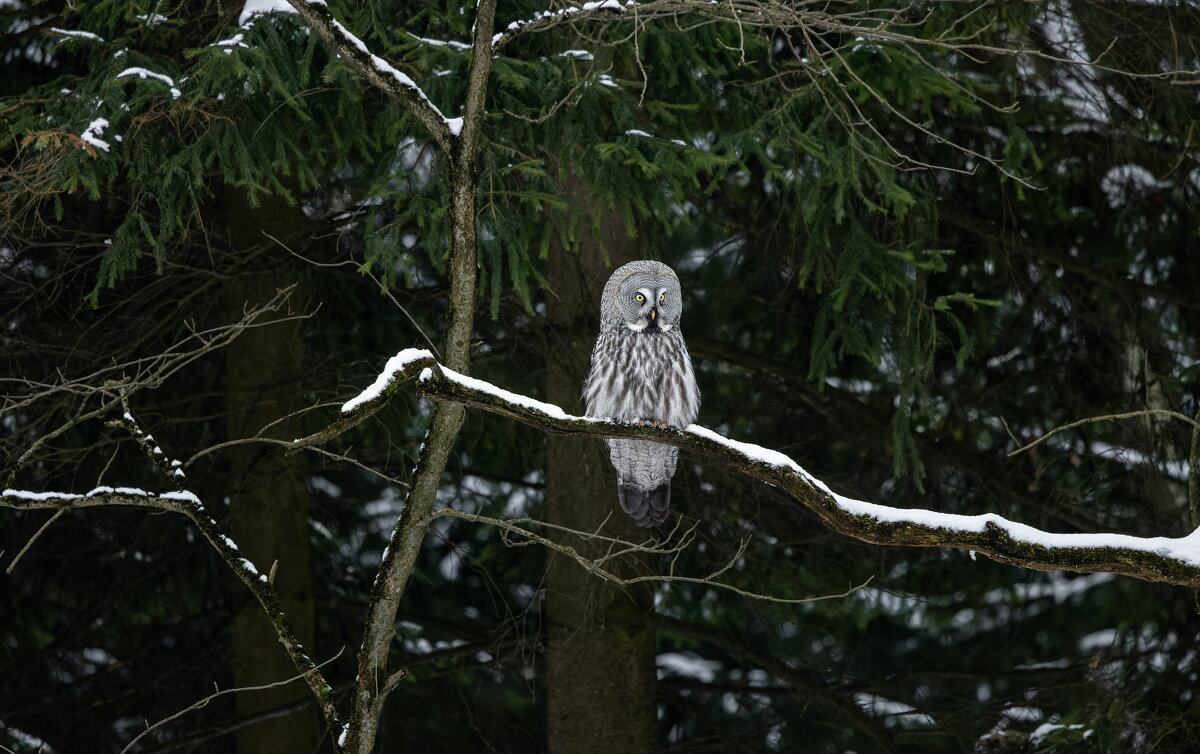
377 70
187 504
1162 559
143 73
551 18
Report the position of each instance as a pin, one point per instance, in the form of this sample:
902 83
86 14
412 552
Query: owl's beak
652 313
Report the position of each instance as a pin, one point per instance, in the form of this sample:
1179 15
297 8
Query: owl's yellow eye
639 297
662 297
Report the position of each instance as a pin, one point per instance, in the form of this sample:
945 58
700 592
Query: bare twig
595 565
1109 417
57 514
187 504
201 704
1194 472
367 271
115 383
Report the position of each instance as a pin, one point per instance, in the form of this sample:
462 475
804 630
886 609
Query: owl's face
643 296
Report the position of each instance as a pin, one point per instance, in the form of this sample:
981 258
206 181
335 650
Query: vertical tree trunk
268 491
600 676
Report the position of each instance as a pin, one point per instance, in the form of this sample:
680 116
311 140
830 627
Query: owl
641 372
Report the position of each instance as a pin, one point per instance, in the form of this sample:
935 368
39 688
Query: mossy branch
1161 559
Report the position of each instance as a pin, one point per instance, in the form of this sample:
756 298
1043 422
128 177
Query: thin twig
8 571
370 274
1109 417
204 702
593 565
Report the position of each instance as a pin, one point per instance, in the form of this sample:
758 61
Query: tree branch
1108 417
596 565
1160 559
460 138
187 504
201 704
376 70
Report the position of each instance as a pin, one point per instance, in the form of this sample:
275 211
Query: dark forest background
897 269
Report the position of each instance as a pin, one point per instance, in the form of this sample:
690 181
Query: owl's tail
647 507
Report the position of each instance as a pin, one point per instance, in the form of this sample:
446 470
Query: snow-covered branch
376 70
187 504
1163 559
812 18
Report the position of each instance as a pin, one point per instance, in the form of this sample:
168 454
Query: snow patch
235 41
28 495
394 365
564 13
105 489
254 8
184 495
1046 729
77 33
441 42
142 73
638 132
549 409
92 133
688 665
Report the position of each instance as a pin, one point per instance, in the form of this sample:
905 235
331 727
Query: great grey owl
641 372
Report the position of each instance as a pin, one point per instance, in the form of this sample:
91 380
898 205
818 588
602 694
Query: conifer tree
877 251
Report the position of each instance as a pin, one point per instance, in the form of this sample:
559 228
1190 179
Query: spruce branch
832 75
375 69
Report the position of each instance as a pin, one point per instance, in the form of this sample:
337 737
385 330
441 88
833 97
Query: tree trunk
268 491
600 649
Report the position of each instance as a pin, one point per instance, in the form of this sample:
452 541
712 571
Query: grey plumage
641 371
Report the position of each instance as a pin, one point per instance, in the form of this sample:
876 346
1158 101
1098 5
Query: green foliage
887 324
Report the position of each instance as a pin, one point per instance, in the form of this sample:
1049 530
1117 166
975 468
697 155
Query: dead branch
596 565
118 382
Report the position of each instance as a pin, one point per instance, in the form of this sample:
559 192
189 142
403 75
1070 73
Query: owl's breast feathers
642 376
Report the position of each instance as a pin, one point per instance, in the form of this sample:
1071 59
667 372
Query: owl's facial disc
647 315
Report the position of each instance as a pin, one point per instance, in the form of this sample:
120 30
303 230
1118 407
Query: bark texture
600 677
268 491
